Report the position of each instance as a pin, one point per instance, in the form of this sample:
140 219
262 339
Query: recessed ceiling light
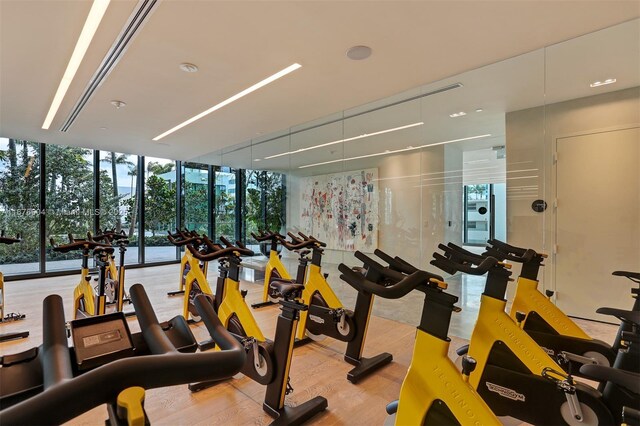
358 53
457 114
187 67
96 13
233 98
103 128
479 110
603 83
257 159
118 104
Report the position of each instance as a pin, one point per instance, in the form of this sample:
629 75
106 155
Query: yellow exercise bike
514 375
115 285
185 261
548 325
433 391
267 362
86 302
275 270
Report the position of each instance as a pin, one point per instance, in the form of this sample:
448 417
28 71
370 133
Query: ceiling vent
138 17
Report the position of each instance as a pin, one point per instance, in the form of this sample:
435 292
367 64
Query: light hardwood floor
317 369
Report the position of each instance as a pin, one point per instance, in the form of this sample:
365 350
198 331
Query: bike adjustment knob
468 365
549 293
243 293
520 316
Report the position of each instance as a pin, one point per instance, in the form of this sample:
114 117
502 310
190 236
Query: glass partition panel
160 200
20 205
119 198
69 200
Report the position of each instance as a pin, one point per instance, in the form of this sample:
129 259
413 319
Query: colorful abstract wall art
341 209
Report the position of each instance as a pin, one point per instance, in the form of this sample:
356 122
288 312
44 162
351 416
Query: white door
598 220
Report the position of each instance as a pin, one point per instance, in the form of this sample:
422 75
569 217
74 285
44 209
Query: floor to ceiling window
159 208
195 190
119 198
225 203
69 200
20 204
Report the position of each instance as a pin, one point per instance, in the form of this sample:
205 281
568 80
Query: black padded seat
634 276
286 289
282 280
622 314
626 379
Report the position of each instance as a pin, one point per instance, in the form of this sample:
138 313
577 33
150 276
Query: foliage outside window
195 186
159 208
19 203
265 202
68 199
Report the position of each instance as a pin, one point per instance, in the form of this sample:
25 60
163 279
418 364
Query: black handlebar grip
394 291
386 272
56 360
153 334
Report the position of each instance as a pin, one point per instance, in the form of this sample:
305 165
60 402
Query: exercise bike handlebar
295 243
266 236
395 262
9 240
416 281
78 245
312 238
181 238
452 266
386 272
165 367
504 251
461 254
401 265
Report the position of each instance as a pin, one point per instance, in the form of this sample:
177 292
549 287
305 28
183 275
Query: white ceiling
237 43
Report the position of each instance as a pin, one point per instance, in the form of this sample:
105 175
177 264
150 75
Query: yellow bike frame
529 299
234 303
195 274
316 283
276 264
493 325
431 374
84 292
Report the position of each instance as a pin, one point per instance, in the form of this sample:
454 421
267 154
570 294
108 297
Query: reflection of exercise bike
548 325
267 362
114 286
53 383
275 270
433 391
86 302
326 315
9 316
513 372
185 261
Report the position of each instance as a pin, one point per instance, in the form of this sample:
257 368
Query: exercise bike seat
286 289
633 276
626 379
622 314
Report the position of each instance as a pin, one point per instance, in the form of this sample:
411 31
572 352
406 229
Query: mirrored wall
540 150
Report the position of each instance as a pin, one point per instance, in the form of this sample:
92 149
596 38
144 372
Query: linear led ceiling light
235 97
96 13
394 151
366 135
